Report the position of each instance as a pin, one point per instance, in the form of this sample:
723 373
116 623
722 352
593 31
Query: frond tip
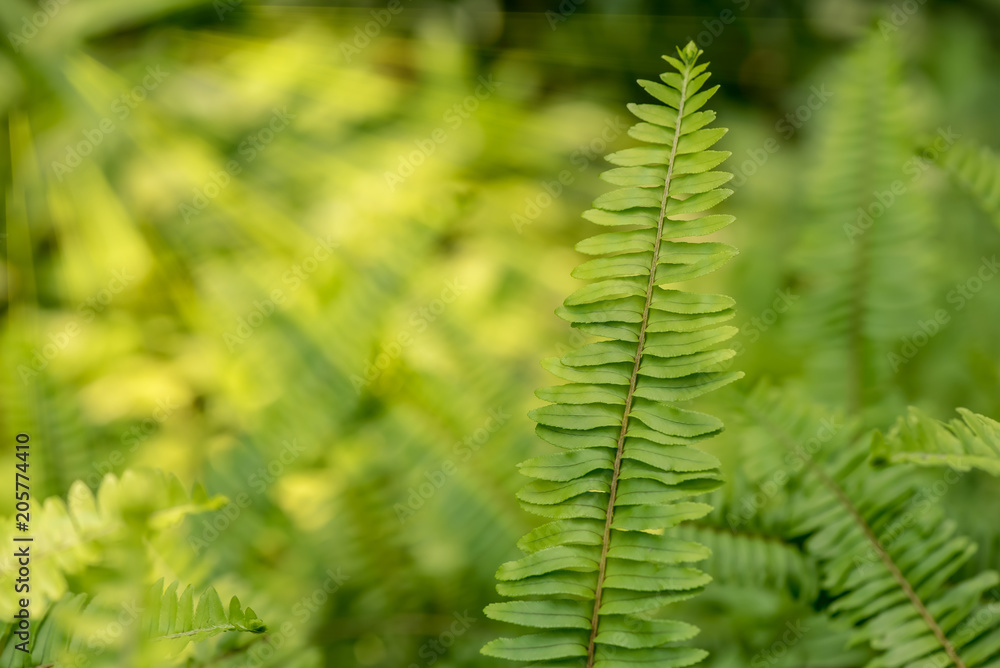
595 576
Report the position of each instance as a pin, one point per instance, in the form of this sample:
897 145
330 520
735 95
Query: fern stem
194 632
633 379
897 575
856 383
858 289
876 544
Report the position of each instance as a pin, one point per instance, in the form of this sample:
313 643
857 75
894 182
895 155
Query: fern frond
68 534
168 619
976 169
961 444
175 618
888 560
865 252
594 576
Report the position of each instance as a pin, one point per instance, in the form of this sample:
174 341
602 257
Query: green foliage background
348 357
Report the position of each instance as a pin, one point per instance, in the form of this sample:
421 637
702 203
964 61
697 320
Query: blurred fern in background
303 259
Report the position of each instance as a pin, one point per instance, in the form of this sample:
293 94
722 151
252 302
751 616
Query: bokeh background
309 252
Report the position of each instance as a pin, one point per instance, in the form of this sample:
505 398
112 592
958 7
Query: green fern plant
119 529
864 251
961 444
888 558
168 620
72 535
595 578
